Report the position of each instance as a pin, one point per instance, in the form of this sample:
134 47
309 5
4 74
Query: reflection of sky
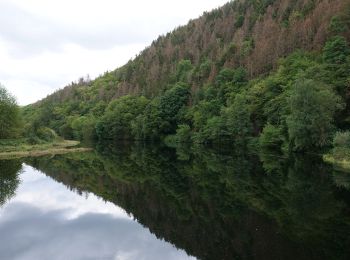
47 221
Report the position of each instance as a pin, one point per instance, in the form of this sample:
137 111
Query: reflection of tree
341 179
217 205
9 179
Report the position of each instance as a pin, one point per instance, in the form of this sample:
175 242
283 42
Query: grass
10 149
340 158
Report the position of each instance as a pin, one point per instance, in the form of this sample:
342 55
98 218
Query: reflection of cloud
38 190
29 233
47 221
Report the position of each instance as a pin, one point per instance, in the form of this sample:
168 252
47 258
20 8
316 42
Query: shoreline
339 164
37 150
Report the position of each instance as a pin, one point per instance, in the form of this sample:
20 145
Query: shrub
46 134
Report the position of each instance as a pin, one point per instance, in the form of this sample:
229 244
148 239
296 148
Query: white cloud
44 45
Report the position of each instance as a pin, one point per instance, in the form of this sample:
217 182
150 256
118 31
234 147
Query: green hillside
273 72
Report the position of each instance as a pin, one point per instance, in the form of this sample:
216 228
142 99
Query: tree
183 70
170 105
10 122
271 137
116 123
313 106
147 125
239 126
336 51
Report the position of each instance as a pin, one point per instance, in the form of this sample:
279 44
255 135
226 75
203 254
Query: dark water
147 202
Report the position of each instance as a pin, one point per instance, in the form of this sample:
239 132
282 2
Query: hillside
219 77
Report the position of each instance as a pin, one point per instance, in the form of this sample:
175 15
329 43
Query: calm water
147 202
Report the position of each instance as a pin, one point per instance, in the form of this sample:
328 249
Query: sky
46 44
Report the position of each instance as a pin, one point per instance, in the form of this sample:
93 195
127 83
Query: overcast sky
46 44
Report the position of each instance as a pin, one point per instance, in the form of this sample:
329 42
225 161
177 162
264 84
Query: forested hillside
274 69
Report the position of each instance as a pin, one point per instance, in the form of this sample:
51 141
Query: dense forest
273 73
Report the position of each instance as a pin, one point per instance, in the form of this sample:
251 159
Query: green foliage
247 47
239 126
339 156
203 111
183 134
213 131
230 82
116 122
10 120
205 69
46 134
148 125
308 7
204 92
313 106
236 76
228 55
170 104
342 139
183 71
336 51
162 116
83 128
239 22
271 137
337 25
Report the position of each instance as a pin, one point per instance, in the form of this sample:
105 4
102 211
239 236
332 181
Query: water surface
45 220
149 202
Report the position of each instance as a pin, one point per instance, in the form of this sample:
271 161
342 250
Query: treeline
215 87
299 106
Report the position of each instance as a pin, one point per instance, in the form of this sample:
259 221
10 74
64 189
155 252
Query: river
152 202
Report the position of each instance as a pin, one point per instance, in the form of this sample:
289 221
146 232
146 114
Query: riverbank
20 149
340 158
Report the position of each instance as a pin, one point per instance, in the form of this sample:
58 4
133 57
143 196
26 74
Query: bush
46 134
33 139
